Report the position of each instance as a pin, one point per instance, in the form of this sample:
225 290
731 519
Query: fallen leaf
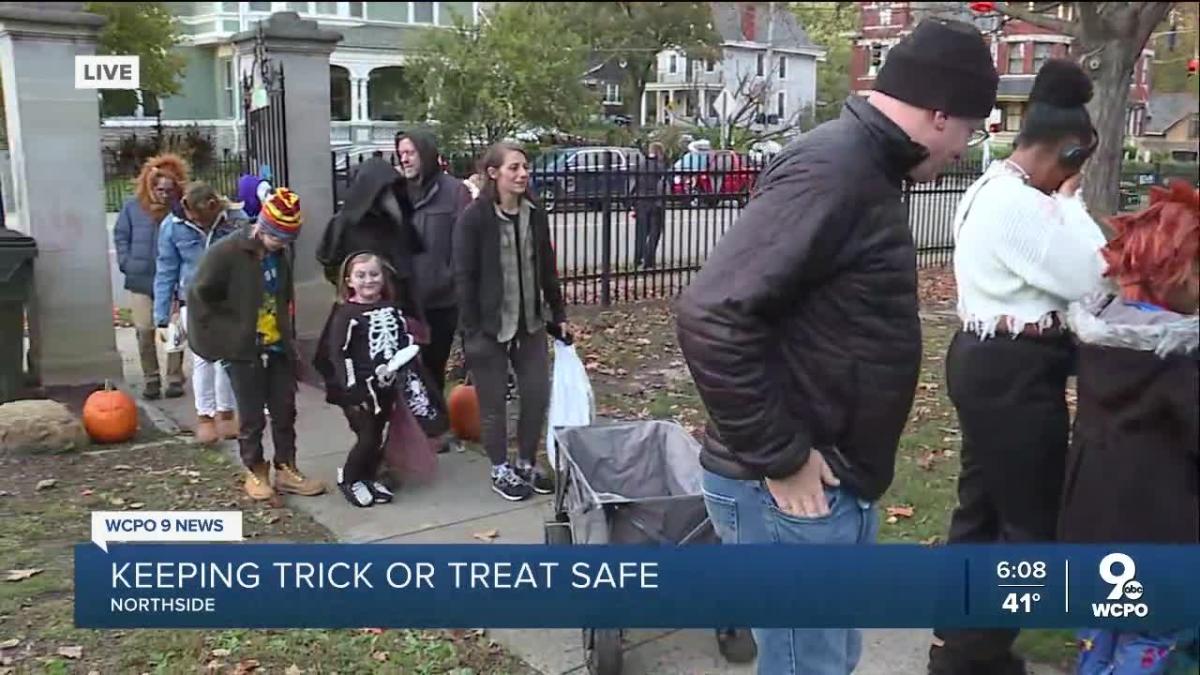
246 666
117 501
927 460
372 631
892 520
900 511
220 653
46 484
487 535
93 672
72 652
9 644
380 656
293 670
5 493
932 541
22 575
136 505
122 467
85 493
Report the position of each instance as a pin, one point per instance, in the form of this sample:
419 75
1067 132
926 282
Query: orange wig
164 165
1155 250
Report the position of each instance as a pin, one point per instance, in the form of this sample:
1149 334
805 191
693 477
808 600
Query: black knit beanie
942 65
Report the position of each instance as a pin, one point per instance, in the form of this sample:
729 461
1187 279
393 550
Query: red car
713 177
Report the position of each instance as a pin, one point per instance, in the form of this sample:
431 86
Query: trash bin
17 252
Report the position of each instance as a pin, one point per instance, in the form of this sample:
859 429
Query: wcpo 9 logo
1126 589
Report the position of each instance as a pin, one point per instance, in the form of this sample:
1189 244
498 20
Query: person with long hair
508 290
182 242
1025 247
159 188
1133 471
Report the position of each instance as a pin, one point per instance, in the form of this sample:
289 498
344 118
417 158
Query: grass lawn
637 373
39 527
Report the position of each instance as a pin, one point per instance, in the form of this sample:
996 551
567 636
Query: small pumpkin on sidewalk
464 412
110 415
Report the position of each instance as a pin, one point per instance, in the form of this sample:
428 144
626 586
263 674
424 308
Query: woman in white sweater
1025 247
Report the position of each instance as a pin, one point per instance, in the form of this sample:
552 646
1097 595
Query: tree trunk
1102 174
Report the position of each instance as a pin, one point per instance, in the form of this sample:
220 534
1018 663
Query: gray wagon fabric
632 483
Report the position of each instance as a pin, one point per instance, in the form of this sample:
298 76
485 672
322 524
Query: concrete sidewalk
460 504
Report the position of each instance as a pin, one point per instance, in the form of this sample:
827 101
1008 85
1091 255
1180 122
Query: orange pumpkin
110 416
464 412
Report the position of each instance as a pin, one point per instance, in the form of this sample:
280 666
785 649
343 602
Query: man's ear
940 120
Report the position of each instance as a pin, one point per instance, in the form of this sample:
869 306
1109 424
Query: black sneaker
537 479
153 391
358 493
507 484
175 390
381 492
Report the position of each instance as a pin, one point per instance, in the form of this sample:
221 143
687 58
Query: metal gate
265 115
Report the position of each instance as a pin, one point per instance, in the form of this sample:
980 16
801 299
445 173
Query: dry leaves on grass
487 535
895 513
22 575
293 670
9 644
220 653
46 484
380 656
246 666
73 652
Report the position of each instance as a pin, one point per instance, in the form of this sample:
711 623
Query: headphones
1073 156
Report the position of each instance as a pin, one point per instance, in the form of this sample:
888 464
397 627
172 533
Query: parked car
712 177
585 177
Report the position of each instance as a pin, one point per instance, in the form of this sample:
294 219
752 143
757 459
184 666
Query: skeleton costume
358 344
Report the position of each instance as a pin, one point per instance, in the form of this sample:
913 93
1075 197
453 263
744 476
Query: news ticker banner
204 585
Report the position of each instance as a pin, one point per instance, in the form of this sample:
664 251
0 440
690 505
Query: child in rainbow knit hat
1133 473
241 300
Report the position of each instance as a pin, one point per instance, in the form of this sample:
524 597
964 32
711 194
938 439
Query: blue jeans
743 512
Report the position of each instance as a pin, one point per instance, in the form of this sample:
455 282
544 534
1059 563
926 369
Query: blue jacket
135 239
181 244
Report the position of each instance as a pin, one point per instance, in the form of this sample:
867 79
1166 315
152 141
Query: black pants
369 426
488 361
648 227
270 382
1010 395
443 325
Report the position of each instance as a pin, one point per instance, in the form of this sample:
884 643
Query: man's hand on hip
803 493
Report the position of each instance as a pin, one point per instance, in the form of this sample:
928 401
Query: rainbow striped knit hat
280 215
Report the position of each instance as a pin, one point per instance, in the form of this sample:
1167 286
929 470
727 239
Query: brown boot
288 479
258 482
227 425
206 429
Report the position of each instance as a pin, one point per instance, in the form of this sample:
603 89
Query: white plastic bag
571 400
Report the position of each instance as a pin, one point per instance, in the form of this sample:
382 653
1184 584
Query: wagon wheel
602 649
558 532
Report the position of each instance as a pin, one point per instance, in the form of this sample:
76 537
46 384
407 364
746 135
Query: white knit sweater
1020 253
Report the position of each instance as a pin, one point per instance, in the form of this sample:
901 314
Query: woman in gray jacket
135 239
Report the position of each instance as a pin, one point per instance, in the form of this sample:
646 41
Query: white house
767 71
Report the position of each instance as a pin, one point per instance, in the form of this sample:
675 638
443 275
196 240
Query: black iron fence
624 232
222 174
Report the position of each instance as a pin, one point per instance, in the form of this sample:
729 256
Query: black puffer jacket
801 330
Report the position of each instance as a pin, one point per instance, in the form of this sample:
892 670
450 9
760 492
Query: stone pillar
303 49
355 99
54 139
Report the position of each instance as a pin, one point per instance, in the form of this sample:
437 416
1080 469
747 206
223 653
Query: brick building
1018 50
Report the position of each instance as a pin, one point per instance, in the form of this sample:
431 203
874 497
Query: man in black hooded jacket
437 199
801 330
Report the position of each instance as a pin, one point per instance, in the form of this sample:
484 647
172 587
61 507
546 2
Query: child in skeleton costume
369 351
1133 470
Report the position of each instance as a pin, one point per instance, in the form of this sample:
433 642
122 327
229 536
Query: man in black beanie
801 330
